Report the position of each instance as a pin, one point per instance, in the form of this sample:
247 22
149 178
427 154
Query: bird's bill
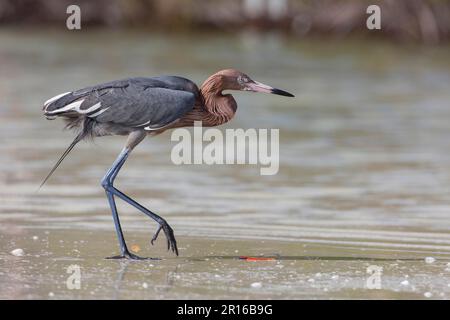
256 86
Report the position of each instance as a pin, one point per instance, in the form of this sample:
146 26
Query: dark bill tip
281 93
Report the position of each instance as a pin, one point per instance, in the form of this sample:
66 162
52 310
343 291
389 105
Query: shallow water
364 173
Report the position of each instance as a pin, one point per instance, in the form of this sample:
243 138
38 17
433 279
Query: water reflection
121 283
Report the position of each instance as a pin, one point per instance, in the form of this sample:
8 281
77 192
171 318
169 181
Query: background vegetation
425 21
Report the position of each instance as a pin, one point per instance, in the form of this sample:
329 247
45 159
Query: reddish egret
137 107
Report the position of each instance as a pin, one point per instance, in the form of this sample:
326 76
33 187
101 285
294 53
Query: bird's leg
111 191
107 183
168 231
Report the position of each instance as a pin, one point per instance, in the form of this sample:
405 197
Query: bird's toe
168 231
130 256
155 236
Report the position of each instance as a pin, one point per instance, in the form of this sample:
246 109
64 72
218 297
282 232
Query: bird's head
231 79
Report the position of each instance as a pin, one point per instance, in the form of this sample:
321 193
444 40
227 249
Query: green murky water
364 173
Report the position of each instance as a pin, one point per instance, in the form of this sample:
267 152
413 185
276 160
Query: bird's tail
77 139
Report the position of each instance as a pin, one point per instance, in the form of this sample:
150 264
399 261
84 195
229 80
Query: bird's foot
130 256
168 231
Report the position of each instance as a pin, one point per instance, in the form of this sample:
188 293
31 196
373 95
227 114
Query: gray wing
151 108
138 102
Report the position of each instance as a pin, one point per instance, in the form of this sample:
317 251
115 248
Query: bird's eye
242 79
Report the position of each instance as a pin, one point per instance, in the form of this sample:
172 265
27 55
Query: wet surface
364 173
210 267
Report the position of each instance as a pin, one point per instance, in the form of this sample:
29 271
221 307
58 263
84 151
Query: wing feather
136 102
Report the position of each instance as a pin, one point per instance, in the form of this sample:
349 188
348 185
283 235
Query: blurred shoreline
405 21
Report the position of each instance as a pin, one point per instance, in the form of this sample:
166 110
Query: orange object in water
135 248
256 258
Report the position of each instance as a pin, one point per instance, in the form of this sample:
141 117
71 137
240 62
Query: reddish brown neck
220 108
212 108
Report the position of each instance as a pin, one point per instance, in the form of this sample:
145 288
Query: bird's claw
129 256
155 236
168 231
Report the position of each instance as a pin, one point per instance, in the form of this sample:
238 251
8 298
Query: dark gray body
121 106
